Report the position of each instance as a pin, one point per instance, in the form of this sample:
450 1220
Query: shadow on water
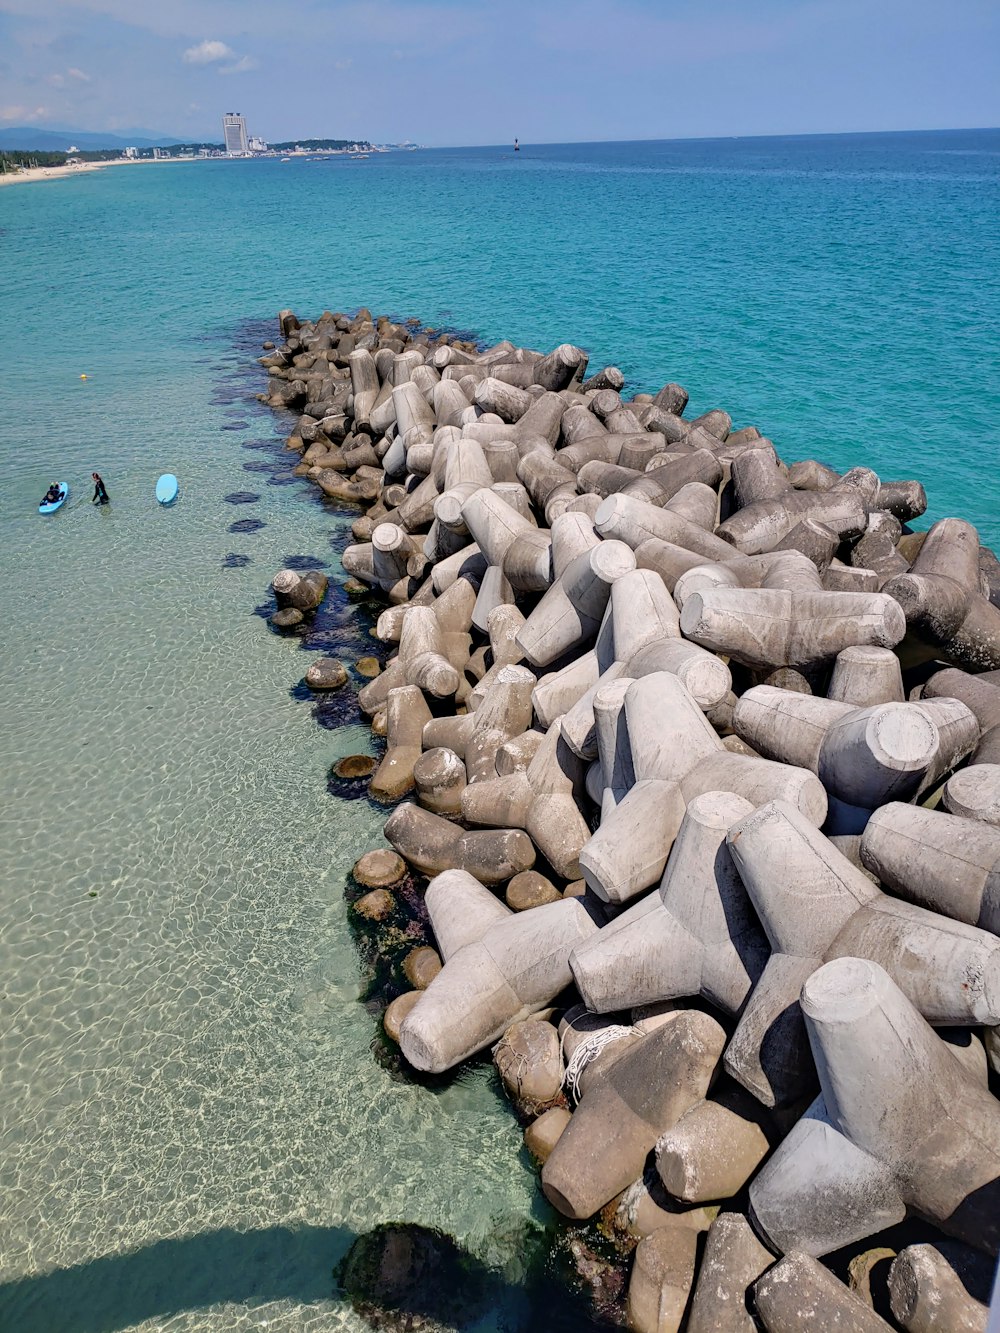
171 1276
396 1276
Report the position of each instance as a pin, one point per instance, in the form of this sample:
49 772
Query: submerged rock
379 868
354 766
406 1277
396 1012
378 905
326 673
421 966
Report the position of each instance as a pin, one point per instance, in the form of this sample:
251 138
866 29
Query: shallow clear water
191 1116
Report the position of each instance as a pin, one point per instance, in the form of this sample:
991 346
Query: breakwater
702 758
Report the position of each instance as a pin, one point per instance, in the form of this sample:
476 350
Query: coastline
33 174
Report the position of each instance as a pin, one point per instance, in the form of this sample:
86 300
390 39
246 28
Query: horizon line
167 141
709 138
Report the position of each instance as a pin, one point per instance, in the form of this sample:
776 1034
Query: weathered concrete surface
697 936
626 1108
901 1124
800 1293
927 1295
516 968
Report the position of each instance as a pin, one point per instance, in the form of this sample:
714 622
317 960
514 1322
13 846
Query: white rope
588 1051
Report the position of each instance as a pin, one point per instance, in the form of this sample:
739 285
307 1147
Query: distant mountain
29 137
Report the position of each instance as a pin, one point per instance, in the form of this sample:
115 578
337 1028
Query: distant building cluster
236 141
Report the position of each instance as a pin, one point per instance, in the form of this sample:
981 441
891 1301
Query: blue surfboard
44 508
166 489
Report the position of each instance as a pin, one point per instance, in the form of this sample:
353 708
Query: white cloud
59 80
242 65
205 52
23 113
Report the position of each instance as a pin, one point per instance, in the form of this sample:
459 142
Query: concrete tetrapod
501 715
461 910
432 844
800 1293
863 756
614 753
570 612
760 526
502 624
757 781
697 936
540 800
513 970
505 712
706 677
509 541
406 715
668 732
979 694
820 908
943 602
733 1260
625 1109
764 628
422 653
711 1152
634 521
304 592
638 612
662 1274
941 861
901 1125
974 792
440 778
927 1295
863 676
629 851
641 627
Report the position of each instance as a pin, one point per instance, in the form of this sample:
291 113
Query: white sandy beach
79 168
48 173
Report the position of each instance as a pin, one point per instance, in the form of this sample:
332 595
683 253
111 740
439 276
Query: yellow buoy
83 377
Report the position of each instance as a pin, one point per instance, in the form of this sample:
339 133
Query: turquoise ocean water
192 1123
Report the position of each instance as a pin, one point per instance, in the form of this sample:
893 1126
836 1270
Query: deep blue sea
193 1124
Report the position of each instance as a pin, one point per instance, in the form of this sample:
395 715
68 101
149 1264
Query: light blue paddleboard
166 489
51 508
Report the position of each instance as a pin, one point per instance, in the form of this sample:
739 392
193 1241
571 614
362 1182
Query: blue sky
468 72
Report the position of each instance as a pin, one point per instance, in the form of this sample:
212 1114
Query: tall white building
234 130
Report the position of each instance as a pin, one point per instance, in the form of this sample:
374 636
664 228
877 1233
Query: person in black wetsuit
101 496
52 494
